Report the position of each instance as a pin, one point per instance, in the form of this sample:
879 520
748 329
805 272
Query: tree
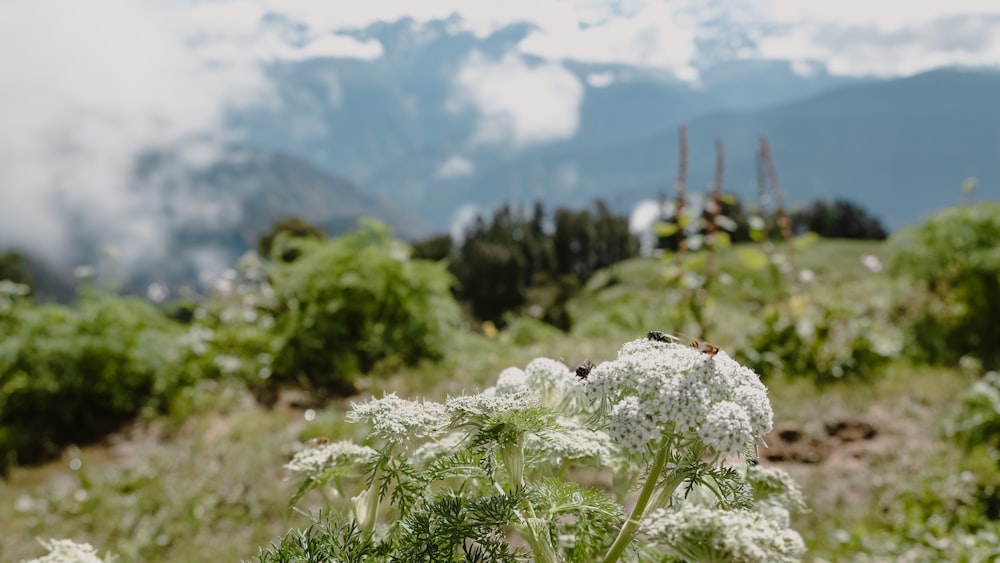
291 227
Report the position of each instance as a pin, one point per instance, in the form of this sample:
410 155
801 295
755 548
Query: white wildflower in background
663 386
700 533
227 364
399 420
68 551
872 263
511 381
316 459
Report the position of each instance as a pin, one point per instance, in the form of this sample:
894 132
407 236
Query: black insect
661 336
583 370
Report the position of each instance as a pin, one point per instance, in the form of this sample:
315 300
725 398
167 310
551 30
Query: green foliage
13 268
936 518
828 336
513 260
230 334
953 259
978 423
69 374
290 227
840 219
329 538
353 302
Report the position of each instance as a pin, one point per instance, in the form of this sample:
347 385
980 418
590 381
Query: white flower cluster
655 387
68 551
482 405
551 380
314 460
776 494
399 420
569 442
700 533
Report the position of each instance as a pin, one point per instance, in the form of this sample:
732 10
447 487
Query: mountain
392 125
198 218
901 148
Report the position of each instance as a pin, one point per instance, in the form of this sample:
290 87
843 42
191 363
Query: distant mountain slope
390 123
202 217
901 148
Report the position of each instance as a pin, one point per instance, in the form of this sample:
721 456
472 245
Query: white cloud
518 103
456 165
641 221
600 79
463 218
656 35
88 87
855 37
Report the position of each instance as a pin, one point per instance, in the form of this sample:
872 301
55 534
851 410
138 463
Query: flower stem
631 526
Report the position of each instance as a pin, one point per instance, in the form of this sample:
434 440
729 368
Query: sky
89 86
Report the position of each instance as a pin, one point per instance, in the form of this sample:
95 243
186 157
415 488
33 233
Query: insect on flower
706 347
583 370
318 441
659 336
701 346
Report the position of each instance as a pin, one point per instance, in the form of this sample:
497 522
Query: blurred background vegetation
157 431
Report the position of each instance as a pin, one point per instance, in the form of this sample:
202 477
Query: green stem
631 526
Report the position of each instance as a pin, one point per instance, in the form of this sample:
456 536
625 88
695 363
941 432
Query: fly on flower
701 346
583 370
318 441
659 336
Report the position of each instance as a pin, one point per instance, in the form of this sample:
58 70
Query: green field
206 482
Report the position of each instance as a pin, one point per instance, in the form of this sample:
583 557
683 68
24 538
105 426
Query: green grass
210 486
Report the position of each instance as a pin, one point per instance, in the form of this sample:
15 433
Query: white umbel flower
482 405
511 382
699 533
570 442
314 460
655 387
68 551
399 420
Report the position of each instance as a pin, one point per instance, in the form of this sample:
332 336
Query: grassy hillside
207 484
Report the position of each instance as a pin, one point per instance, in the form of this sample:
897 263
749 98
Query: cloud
89 87
461 220
655 36
519 103
456 165
871 39
600 79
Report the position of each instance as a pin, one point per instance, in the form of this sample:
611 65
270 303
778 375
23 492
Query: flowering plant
668 430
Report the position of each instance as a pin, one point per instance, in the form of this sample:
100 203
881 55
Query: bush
953 261
825 336
70 374
351 303
978 423
231 334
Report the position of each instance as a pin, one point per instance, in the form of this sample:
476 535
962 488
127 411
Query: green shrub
69 374
978 423
828 336
231 333
953 262
351 303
